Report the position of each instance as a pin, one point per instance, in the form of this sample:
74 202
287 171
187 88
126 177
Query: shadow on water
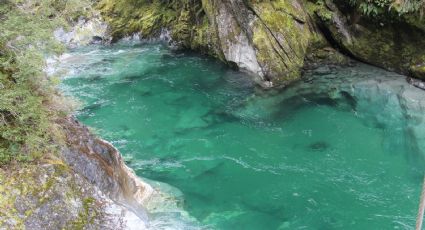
133 77
92 107
276 211
290 106
209 173
213 118
349 99
219 116
94 78
319 146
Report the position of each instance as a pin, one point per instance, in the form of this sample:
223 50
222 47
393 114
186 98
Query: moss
390 48
281 38
29 183
281 34
19 183
87 215
7 200
182 28
390 41
201 37
319 9
128 17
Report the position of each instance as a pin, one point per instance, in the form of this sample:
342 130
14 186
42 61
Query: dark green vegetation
34 180
390 36
385 7
28 102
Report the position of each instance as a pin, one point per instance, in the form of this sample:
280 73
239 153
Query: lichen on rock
88 186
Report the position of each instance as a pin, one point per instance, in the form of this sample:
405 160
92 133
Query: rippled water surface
336 151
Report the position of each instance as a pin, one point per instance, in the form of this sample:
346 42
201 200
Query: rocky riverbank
57 193
273 40
83 183
86 184
87 187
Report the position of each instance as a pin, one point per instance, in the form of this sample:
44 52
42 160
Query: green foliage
322 10
27 130
148 16
380 7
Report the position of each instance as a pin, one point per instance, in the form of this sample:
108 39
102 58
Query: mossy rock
393 43
270 37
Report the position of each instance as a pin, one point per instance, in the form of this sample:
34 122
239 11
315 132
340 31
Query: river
341 149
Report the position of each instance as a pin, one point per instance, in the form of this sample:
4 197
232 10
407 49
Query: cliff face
272 39
78 190
266 38
389 41
88 186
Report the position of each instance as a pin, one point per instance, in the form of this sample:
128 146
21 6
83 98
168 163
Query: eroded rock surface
393 43
87 187
273 39
87 30
266 38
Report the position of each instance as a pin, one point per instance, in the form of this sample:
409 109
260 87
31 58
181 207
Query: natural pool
340 150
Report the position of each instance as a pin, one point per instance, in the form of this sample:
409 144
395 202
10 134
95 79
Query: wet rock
416 82
92 30
102 165
268 39
89 188
324 70
49 195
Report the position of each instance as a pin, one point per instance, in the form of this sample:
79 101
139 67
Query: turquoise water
335 151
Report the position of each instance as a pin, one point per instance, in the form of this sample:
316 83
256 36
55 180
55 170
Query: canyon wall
274 39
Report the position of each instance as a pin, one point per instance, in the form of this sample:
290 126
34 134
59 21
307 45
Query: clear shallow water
338 151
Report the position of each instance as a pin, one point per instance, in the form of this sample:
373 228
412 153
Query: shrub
27 128
379 7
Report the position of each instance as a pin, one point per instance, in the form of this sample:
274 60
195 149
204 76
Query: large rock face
395 43
84 32
87 187
54 193
272 38
266 38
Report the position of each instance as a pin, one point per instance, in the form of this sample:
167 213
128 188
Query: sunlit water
335 151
